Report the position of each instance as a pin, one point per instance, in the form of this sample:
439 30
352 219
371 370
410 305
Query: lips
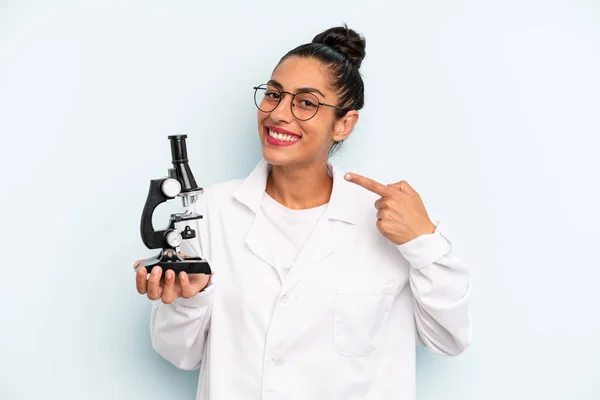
277 136
278 129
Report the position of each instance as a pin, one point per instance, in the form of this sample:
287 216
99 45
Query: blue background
488 108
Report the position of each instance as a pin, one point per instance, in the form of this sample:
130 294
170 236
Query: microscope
179 182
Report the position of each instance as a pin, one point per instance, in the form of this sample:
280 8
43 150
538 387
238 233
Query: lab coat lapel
258 241
335 231
250 194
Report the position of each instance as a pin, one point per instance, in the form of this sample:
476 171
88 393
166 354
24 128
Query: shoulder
221 191
224 187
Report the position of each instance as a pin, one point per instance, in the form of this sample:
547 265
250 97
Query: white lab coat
343 324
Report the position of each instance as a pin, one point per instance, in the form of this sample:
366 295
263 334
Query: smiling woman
324 283
296 103
323 82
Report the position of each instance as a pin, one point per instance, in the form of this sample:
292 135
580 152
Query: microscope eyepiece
179 157
178 149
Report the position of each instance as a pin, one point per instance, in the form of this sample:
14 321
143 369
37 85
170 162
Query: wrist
208 284
429 229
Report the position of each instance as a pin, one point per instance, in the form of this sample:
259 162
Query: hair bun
344 40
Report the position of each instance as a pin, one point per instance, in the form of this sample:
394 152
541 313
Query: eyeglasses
304 105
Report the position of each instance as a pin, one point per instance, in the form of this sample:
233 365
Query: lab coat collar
251 191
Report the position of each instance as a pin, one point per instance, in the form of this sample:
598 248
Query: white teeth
281 136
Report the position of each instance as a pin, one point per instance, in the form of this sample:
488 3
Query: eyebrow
300 90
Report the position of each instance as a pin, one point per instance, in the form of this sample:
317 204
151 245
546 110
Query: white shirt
290 230
343 324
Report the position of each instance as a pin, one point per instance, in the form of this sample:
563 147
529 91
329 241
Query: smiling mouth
282 136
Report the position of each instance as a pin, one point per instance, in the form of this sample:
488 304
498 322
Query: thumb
404 187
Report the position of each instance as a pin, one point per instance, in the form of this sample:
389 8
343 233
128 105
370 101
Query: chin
277 157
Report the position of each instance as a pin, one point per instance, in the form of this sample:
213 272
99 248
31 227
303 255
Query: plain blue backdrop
488 108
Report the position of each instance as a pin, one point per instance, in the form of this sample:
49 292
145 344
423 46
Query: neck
300 188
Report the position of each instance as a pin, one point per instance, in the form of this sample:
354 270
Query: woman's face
302 142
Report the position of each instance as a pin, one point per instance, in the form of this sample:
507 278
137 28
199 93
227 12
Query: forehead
296 72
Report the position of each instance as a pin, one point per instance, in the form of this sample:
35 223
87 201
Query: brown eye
307 101
272 95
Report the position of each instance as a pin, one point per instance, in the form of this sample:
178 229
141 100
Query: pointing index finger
369 184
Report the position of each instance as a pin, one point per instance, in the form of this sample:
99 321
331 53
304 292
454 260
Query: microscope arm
151 238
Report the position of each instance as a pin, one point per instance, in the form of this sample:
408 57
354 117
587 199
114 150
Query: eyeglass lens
304 105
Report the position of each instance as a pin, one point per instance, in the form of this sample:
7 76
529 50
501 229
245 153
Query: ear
344 126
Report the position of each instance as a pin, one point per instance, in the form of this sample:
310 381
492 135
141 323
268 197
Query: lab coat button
279 360
284 298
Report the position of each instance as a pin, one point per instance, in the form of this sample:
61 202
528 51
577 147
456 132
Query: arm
441 291
179 330
438 280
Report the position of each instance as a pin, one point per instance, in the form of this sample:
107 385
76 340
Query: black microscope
180 182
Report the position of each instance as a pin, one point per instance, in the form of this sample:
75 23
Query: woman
323 283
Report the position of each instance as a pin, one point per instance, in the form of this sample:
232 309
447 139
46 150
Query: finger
154 291
169 295
384 214
388 203
383 203
369 184
383 226
404 187
140 280
135 265
187 290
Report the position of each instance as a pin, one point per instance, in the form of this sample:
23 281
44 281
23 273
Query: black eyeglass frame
319 103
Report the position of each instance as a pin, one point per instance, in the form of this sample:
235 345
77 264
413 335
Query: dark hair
342 50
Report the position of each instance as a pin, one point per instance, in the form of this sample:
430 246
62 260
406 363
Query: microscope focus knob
171 187
174 239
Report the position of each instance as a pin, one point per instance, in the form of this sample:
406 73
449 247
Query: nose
283 111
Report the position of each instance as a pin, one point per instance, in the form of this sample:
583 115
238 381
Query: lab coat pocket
361 319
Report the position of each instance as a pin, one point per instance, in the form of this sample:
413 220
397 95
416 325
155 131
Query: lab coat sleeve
179 330
441 289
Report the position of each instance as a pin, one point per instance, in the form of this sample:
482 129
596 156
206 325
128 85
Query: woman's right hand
168 287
